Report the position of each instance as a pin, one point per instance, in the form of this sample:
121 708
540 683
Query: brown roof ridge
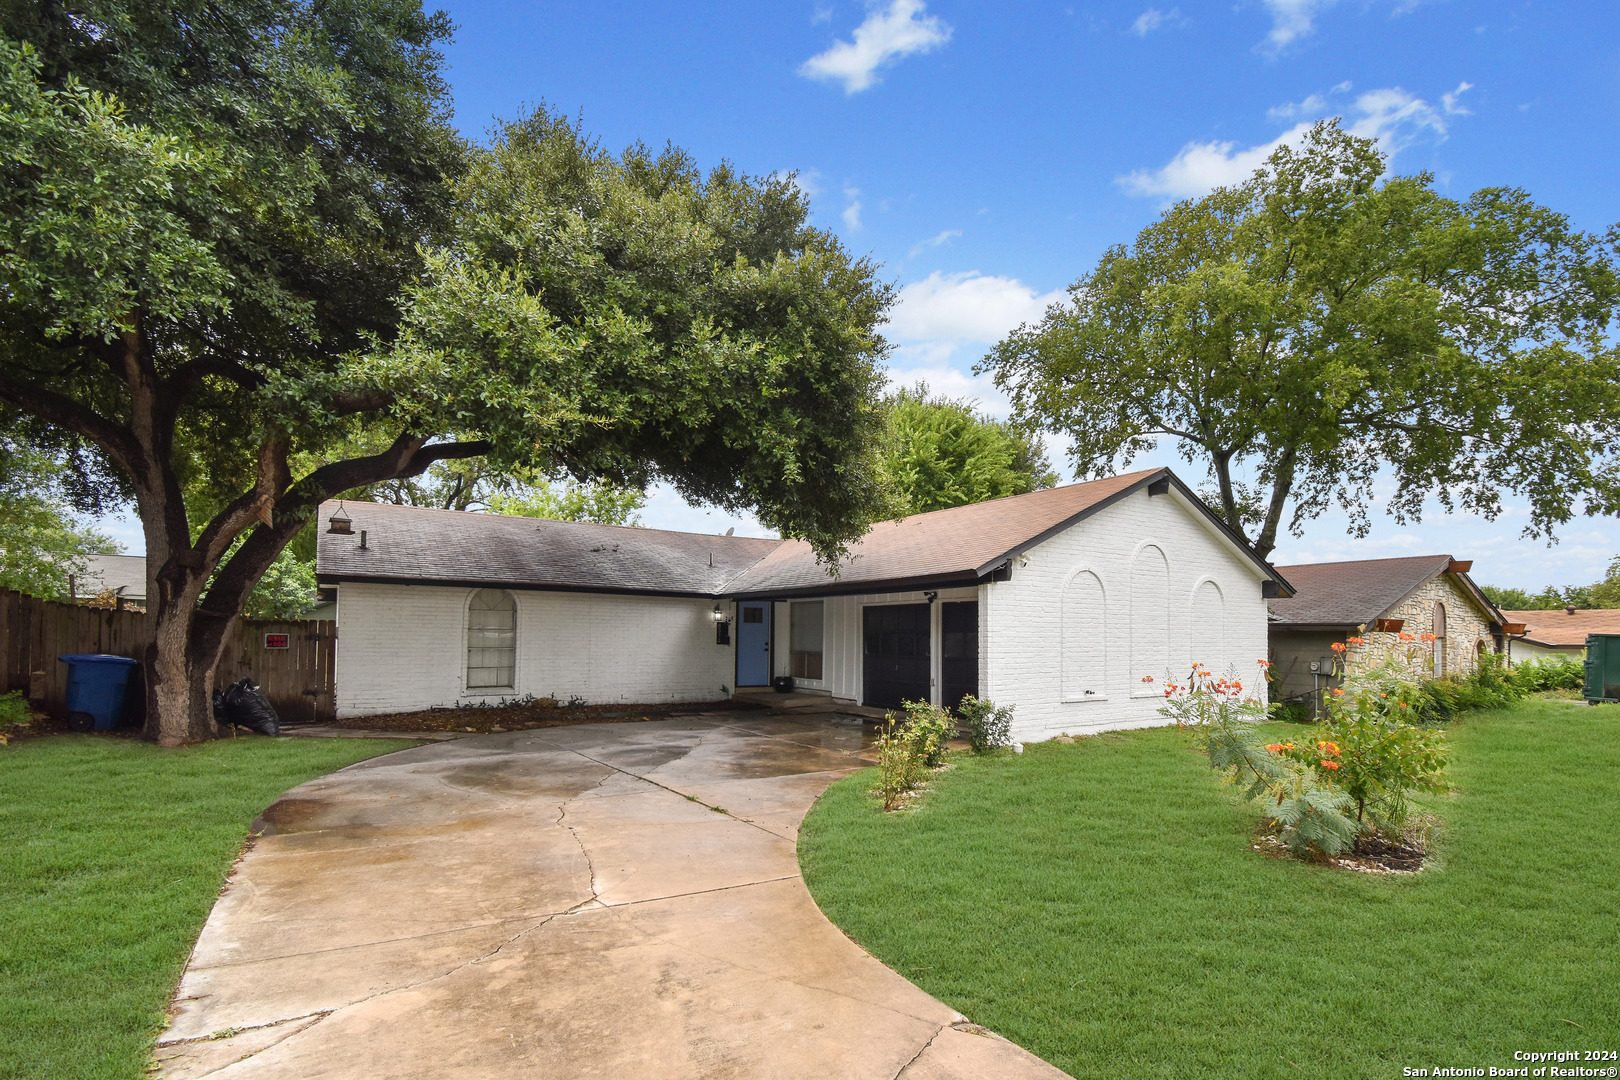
1359 562
1020 495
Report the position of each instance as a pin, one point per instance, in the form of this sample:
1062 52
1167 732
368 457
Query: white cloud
1291 20
1314 105
1391 116
948 309
852 210
1153 19
937 240
1451 102
895 30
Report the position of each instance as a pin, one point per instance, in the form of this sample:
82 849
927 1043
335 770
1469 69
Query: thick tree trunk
179 684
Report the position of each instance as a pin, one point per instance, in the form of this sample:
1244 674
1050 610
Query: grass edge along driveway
112 853
1098 904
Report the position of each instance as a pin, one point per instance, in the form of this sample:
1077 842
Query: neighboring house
1072 604
1557 633
122 575
1378 600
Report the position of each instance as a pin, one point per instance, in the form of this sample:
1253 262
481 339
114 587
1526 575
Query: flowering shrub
1371 746
1310 812
988 726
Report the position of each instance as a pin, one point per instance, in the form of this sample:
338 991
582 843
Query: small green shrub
988 725
931 728
1291 712
900 768
908 746
1552 673
14 713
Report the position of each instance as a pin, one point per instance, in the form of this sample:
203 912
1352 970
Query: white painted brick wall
1021 623
403 647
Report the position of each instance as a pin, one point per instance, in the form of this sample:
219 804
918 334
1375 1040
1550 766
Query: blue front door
753 644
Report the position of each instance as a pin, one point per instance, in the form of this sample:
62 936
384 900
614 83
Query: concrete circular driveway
609 900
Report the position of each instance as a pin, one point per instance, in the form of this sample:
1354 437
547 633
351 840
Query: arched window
1439 632
1085 638
1150 623
491 640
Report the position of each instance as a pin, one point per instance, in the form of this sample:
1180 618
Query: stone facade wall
1466 628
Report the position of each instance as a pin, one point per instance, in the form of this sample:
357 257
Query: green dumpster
1602 667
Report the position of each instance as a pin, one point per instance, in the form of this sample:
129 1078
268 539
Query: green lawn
1098 903
111 854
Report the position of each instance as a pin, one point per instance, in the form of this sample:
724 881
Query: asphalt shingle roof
1564 628
1350 593
412 544
962 542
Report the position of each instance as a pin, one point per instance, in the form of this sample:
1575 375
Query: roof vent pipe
362 540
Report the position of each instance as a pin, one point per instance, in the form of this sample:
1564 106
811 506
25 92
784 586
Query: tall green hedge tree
1323 323
234 232
940 452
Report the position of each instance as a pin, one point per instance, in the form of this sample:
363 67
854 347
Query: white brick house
1073 605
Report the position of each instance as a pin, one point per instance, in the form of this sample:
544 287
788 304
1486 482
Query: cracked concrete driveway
609 900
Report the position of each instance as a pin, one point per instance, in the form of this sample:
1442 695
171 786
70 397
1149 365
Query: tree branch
63 411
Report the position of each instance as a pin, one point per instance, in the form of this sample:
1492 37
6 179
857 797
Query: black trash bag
242 703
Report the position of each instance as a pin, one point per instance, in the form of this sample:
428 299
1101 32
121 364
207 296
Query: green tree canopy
940 452
1322 324
42 539
234 233
1599 594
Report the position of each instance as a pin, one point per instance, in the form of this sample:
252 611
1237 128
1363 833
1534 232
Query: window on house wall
491 640
1439 632
804 637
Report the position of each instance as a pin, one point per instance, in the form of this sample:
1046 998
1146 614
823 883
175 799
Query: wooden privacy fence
33 633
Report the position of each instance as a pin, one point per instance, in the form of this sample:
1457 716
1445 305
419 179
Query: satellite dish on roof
731 530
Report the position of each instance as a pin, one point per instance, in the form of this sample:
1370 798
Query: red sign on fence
278 641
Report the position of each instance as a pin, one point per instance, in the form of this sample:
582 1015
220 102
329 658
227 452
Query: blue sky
986 154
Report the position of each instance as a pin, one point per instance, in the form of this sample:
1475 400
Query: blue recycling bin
96 686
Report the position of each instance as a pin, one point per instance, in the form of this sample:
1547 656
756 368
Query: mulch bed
1371 854
521 716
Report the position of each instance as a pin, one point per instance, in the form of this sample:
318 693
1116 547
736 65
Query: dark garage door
896 667
958 651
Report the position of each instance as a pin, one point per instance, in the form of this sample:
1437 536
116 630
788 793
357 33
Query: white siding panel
404 647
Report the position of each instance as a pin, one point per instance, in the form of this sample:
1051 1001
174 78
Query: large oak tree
1323 323
237 235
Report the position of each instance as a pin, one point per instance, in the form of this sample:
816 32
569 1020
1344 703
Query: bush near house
908 747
